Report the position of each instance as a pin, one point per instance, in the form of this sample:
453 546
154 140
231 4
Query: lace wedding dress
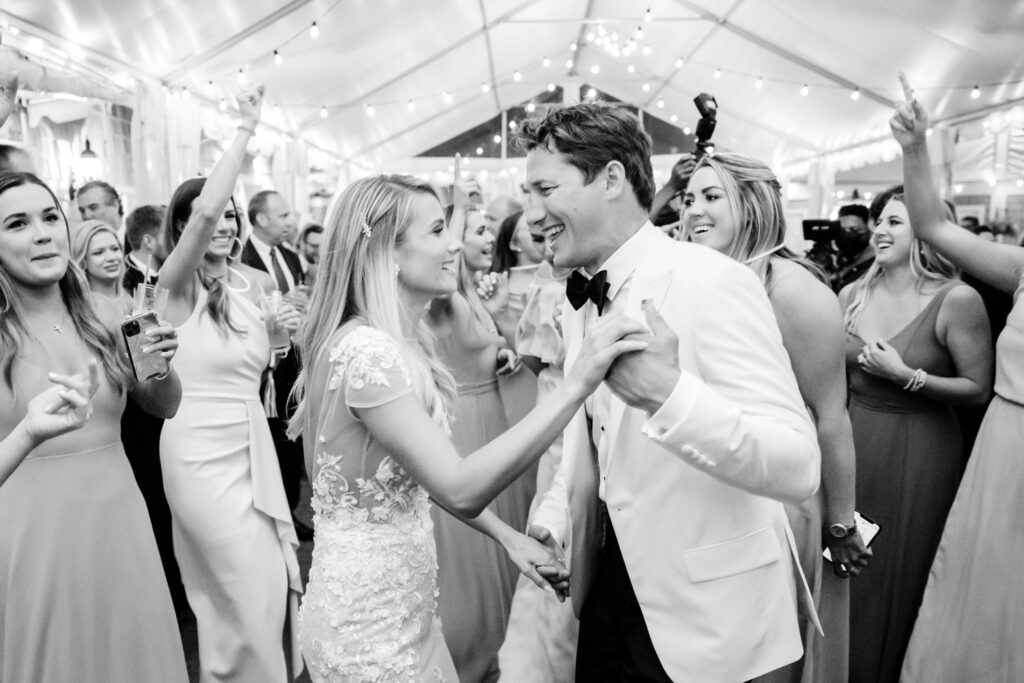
370 610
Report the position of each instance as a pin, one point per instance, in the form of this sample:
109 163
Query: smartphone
144 365
868 530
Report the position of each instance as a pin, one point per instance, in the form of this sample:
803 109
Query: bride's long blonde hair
358 279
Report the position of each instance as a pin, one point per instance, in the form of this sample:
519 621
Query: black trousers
614 643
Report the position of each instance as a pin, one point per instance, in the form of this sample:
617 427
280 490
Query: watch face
838 530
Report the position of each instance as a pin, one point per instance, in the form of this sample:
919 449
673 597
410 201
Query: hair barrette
366 229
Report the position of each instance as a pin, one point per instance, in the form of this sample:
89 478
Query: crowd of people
545 439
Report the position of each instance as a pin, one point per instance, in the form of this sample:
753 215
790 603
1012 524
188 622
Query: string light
679 63
804 90
673 118
531 107
569 63
591 94
573 46
590 37
631 68
278 59
209 87
485 87
759 83
242 78
186 94
551 87
223 104
277 110
516 76
497 139
446 98
595 69
975 93
647 50
718 73
370 111
479 151
314 31
410 106
639 35
686 130
545 62
323 112
855 95
661 104
646 87
648 17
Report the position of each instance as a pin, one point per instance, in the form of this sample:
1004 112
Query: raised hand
644 380
492 288
8 95
606 340
250 101
64 407
681 172
909 124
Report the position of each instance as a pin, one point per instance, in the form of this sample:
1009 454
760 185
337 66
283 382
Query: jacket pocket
753 550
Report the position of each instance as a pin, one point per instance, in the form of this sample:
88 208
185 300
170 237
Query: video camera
822 230
708 108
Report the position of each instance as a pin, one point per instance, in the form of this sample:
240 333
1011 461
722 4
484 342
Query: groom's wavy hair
590 135
74 291
359 278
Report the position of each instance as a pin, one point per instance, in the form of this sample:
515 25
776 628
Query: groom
668 495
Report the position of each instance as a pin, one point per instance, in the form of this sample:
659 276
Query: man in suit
142 233
668 495
271 221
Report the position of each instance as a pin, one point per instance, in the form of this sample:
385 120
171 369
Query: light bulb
370 111
647 16
497 139
485 87
545 62
631 68
591 94
661 104
242 78
975 93
646 87
323 112
411 106
551 87
446 98
479 151
687 130
516 76
855 95
595 69
679 63
673 118
314 31
223 104
804 90
759 83
278 59
573 46
718 73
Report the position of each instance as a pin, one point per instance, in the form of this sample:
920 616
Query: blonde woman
733 204
918 343
97 251
375 404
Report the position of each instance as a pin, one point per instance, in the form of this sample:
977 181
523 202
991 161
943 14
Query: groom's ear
615 181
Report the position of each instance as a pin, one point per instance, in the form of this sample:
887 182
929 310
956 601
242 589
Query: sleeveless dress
475 575
370 610
233 533
82 594
909 454
540 643
970 624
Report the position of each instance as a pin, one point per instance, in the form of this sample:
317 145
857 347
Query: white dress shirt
264 251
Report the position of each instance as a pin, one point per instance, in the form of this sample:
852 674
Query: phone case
868 530
144 365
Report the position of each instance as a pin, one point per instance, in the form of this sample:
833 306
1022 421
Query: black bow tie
579 288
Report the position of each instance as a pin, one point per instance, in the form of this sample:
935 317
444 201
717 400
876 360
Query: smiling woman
96 250
64 486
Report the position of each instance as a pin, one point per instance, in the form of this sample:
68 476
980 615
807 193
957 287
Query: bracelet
247 129
916 380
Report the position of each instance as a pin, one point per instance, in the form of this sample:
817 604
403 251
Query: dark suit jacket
133 277
287 370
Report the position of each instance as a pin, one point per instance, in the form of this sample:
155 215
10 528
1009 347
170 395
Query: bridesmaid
969 625
233 533
94 247
76 547
918 342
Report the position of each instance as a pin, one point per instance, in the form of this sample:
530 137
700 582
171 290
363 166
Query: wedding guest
98 200
968 626
733 204
15 160
75 605
375 411
97 251
918 343
233 534
518 256
497 210
142 233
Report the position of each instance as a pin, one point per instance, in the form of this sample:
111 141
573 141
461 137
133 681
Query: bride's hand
532 558
604 342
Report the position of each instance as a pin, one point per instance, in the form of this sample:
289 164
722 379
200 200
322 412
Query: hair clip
366 229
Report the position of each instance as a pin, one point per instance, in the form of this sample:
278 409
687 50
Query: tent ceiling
386 53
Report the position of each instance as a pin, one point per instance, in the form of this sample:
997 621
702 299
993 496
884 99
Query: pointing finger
908 92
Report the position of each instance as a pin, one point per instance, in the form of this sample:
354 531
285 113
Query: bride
373 413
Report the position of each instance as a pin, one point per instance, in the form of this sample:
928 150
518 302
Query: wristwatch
838 530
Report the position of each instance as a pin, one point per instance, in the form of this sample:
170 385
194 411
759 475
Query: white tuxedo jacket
704 535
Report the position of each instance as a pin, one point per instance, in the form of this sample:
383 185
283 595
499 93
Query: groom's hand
555 576
645 379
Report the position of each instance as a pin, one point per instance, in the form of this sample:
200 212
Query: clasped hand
645 379
880 359
541 563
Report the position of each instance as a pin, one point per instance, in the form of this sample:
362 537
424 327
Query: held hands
508 362
165 340
909 124
8 95
613 336
644 380
250 101
539 562
64 407
880 359
554 580
849 555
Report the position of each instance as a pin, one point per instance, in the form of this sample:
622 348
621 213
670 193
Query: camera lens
132 328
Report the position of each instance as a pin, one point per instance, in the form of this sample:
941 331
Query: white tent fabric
385 54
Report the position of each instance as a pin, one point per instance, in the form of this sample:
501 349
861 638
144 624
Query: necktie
275 262
579 289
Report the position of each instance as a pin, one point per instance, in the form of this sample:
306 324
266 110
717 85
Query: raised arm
467 485
178 272
1000 265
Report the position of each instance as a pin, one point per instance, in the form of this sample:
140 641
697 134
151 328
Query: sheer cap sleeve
367 365
539 333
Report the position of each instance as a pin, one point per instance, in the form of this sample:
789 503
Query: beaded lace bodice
369 612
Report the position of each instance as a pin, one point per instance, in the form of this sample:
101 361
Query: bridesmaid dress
233 533
82 593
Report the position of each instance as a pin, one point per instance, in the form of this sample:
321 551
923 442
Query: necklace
58 329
